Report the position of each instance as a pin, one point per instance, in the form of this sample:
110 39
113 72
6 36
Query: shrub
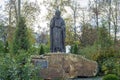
110 77
33 50
108 61
17 67
89 51
41 50
46 48
6 48
111 66
102 55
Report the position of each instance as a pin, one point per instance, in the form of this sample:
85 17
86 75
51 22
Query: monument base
59 65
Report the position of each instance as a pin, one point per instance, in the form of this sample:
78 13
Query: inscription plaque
42 63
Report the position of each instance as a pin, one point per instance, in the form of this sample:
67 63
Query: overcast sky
83 3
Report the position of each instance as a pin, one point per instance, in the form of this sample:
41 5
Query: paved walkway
97 78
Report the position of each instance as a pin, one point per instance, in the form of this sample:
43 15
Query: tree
109 22
21 40
69 32
115 20
89 35
30 11
104 39
107 10
75 7
17 8
55 4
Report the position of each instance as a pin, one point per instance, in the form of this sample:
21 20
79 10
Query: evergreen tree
71 50
21 40
75 49
41 50
104 38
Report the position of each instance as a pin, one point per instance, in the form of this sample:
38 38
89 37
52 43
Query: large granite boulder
60 65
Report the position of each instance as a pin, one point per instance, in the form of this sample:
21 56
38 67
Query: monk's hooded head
57 14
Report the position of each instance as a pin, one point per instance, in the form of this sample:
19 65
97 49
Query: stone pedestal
60 65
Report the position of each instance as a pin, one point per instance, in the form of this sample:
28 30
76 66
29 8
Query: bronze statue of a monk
57 33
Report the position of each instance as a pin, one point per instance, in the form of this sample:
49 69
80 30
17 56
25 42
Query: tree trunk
109 21
75 24
97 23
10 14
116 22
19 9
16 12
